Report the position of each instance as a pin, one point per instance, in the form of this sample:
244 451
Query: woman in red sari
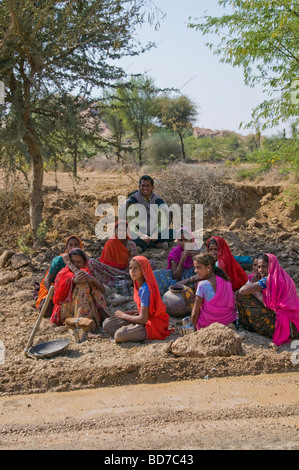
225 260
78 294
58 263
150 321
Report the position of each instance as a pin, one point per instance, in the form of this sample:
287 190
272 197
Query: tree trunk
75 159
140 150
36 186
183 147
140 154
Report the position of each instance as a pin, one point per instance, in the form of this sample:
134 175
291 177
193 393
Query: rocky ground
214 354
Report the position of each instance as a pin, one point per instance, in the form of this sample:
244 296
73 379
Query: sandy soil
100 395
220 413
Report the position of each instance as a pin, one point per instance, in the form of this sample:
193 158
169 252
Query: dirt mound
215 340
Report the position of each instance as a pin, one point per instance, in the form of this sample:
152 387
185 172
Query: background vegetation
54 54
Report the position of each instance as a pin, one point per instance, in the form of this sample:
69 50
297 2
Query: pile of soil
219 352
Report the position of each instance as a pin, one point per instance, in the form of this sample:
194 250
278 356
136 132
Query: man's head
146 186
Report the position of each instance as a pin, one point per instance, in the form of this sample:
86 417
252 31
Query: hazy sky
181 60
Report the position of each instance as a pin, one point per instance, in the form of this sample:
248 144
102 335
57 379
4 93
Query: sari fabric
164 277
58 265
157 325
221 308
227 262
76 300
281 296
176 253
115 253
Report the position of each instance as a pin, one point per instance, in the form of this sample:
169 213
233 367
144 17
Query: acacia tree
262 37
57 47
136 108
176 114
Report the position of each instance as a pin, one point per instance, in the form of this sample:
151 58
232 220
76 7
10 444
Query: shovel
49 348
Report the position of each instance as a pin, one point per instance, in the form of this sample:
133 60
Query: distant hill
201 132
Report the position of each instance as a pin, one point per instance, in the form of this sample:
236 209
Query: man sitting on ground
150 231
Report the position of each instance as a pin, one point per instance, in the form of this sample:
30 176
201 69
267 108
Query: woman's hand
66 258
80 276
184 256
255 278
119 314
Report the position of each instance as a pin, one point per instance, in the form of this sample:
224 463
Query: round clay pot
174 302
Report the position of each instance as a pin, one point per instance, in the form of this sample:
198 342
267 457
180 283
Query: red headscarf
63 287
158 320
281 296
114 253
227 262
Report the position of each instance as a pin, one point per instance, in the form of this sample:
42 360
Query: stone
253 223
237 223
7 277
6 255
268 197
19 260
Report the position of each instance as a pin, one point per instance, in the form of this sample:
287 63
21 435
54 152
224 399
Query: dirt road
260 412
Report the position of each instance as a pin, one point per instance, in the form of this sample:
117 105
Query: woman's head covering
114 253
156 305
68 239
281 296
79 252
227 262
157 325
124 222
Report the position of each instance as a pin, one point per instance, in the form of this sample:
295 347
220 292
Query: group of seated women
216 288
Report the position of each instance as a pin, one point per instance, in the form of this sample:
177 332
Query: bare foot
93 335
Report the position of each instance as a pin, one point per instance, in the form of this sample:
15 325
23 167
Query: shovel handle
40 317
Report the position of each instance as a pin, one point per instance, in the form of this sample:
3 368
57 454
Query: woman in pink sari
270 305
214 299
179 262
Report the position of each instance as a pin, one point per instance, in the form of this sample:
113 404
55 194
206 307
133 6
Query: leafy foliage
176 114
48 51
261 36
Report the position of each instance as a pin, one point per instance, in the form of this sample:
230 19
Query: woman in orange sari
119 248
150 321
58 263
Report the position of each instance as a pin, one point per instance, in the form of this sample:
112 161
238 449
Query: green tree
136 108
176 114
75 133
57 47
261 37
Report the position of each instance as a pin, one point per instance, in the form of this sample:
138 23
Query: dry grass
196 184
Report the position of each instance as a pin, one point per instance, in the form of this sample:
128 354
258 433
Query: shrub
162 148
196 184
